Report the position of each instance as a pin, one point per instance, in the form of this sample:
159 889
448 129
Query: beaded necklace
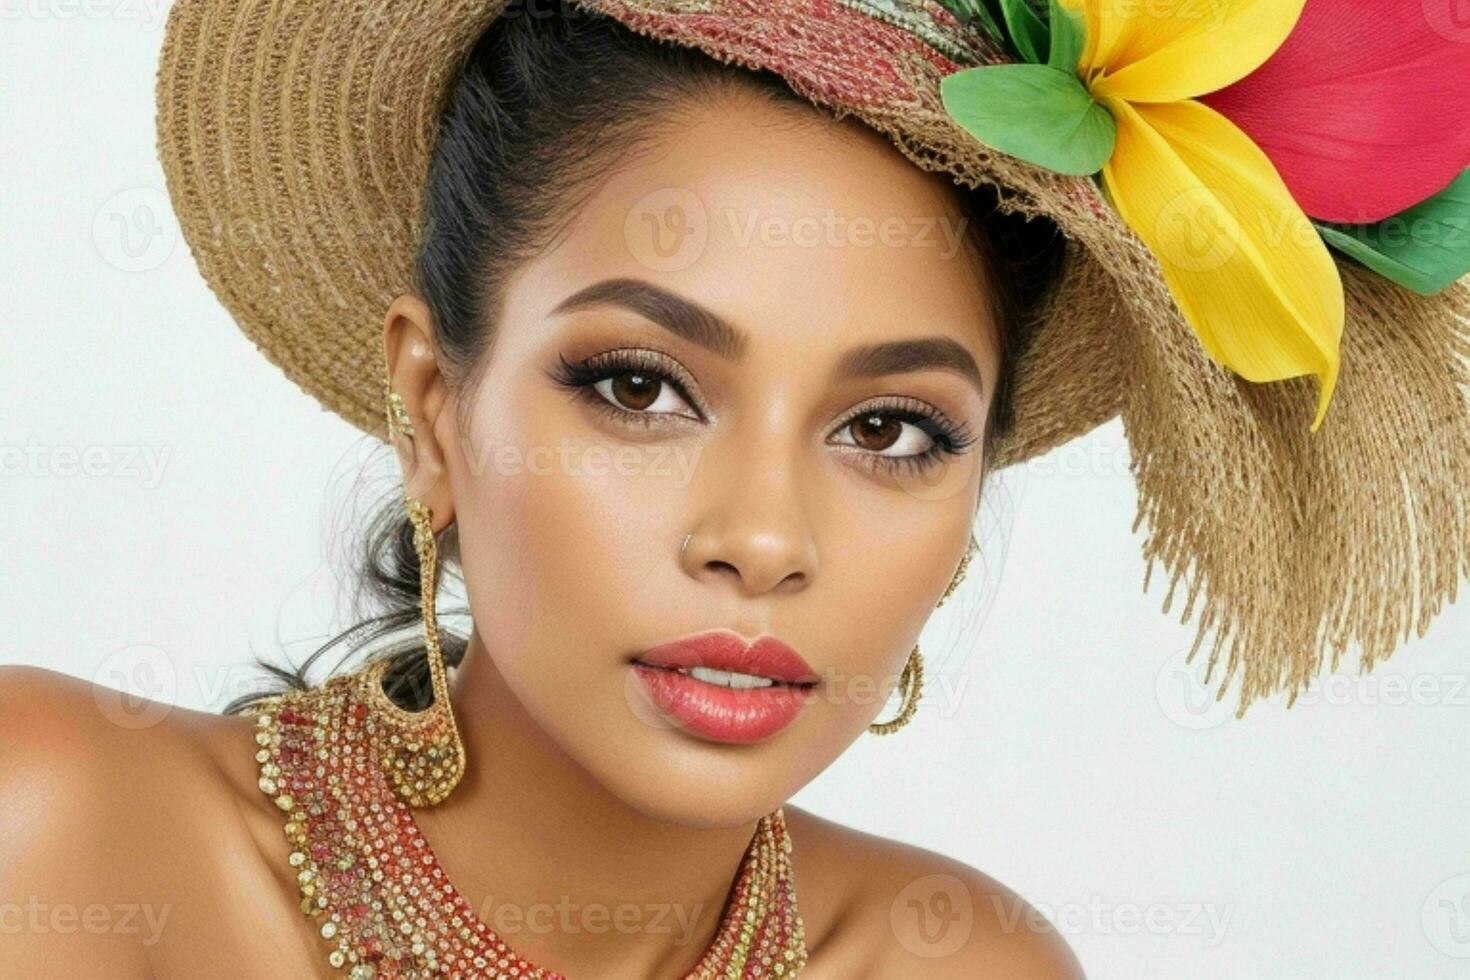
377 893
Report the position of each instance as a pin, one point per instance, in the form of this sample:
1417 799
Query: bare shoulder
61 730
882 908
69 740
102 799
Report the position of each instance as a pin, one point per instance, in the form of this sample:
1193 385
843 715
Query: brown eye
880 432
635 390
875 432
630 386
640 391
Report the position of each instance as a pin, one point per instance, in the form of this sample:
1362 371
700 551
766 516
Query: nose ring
685 546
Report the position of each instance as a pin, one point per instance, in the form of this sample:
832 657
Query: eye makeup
621 384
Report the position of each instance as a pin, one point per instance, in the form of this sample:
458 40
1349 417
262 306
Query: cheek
892 548
554 540
891 575
570 540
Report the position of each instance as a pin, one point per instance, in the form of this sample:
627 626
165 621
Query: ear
413 372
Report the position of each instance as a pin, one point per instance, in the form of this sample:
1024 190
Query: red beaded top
377 893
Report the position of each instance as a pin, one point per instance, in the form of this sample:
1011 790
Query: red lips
724 650
717 712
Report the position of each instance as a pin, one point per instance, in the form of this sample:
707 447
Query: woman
793 433
706 446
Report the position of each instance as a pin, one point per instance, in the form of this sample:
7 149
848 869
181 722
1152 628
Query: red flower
1365 109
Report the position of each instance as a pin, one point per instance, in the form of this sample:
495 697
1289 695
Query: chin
671 776
697 804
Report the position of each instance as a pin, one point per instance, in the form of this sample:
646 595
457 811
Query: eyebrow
682 317
703 328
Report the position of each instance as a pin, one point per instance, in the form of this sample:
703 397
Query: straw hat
295 149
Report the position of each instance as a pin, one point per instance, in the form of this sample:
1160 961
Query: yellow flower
1249 271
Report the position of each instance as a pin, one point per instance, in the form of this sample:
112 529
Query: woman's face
774 333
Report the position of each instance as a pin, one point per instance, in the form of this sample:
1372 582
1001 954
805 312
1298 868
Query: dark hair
545 103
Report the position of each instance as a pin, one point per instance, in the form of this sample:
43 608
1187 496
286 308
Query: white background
1065 749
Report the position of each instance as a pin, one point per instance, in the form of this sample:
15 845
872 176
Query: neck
571 877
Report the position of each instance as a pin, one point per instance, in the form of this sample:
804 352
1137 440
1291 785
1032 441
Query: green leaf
1035 112
1425 247
977 11
1068 37
1028 33
1018 26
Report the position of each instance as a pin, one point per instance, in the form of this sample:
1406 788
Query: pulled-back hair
548 101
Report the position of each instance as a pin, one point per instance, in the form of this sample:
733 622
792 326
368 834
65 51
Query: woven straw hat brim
295 136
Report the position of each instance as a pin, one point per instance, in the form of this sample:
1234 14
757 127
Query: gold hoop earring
959 574
399 421
421 751
911 683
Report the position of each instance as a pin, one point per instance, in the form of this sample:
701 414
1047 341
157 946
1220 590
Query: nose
752 526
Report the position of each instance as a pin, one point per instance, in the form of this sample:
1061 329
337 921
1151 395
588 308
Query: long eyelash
580 377
950 438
